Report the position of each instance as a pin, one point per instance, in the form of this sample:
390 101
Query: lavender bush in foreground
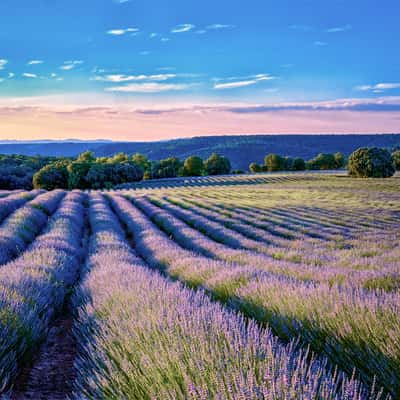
143 337
33 286
354 328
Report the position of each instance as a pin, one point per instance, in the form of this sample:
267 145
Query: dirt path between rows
52 373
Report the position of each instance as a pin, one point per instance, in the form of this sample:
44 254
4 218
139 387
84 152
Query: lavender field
274 287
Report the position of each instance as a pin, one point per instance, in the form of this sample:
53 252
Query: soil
51 375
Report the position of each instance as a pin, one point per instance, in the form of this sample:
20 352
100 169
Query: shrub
322 161
126 172
299 164
142 161
254 168
52 176
168 168
339 160
217 165
371 163
193 166
274 162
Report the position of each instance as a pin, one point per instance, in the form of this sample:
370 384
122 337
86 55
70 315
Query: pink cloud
124 122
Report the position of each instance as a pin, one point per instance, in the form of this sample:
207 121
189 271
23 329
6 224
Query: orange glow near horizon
34 124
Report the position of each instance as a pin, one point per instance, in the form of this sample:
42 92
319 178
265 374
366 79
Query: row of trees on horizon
90 172
274 162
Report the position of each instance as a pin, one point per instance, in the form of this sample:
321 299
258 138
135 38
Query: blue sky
177 53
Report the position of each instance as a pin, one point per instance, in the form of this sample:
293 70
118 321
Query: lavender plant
354 328
22 226
143 337
34 285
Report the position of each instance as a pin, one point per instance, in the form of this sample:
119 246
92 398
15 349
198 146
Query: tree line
16 171
364 162
274 162
89 172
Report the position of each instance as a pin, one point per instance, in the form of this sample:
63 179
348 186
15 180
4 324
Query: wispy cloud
130 78
250 80
357 105
123 31
56 77
183 28
68 65
342 28
121 1
149 87
380 87
214 27
55 116
219 26
319 43
35 62
28 75
234 85
3 63
11 75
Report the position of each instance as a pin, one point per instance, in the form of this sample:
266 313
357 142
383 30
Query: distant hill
241 150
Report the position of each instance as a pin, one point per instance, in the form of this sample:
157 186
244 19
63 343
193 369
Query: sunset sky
148 70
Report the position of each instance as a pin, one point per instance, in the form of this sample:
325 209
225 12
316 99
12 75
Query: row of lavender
355 328
321 248
34 285
228 180
143 337
13 201
25 221
250 279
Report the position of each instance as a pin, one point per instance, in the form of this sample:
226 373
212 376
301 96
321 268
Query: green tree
340 161
142 161
52 176
217 165
86 157
299 164
371 162
193 166
289 164
106 175
274 162
118 158
396 159
100 175
254 168
126 172
322 162
77 172
168 168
